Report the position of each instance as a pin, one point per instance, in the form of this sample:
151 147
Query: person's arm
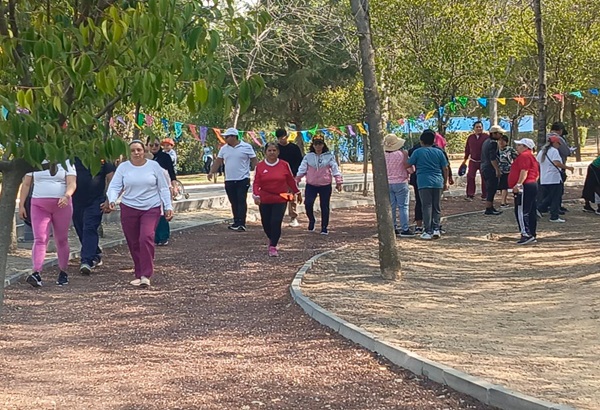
336 173
445 172
256 186
522 177
560 165
297 160
114 190
164 192
25 187
493 152
467 151
302 169
214 167
291 182
253 162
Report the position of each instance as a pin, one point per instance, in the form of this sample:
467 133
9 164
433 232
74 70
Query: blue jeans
400 200
86 220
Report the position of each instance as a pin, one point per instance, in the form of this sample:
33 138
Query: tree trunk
542 100
573 108
561 109
493 104
11 181
389 262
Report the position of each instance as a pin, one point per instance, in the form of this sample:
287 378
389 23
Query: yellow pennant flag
501 100
361 128
429 115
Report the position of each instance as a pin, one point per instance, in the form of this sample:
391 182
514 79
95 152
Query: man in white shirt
551 181
239 159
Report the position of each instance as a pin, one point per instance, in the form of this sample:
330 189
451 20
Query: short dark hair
477 122
427 137
504 138
280 132
271 144
559 126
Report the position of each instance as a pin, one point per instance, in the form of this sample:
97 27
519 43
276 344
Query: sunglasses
156 144
318 143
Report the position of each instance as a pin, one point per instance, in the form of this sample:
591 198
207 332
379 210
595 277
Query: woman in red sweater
272 179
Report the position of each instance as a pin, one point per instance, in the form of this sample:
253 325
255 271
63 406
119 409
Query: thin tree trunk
493 104
561 109
542 100
573 108
389 262
11 181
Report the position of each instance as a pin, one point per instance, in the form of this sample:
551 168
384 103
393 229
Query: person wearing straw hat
523 176
396 160
490 168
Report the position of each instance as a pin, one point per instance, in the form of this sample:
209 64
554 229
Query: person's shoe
294 223
324 231
525 240
539 214
136 282
273 251
165 243
418 230
63 278
233 227
597 211
469 198
504 205
442 230
563 209
97 262
492 211
85 269
436 234
35 280
587 208
238 228
397 231
311 226
407 234
426 236
144 282
242 228
558 220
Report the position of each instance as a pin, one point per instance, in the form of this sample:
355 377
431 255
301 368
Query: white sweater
144 187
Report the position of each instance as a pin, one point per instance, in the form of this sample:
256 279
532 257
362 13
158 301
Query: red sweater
272 180
525 161
473 146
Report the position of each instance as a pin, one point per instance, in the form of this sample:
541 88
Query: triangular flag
256 140
351 131
4 112
520 100
192 128
218 134
149 120
594 91
121 120
165 124
343 129
441 110
360 128
263 136
463 101
305 136
366 126
313 131
241 135
430 114
203 133
482 101
576 94
141 119
559 97
401 120
452 106
111 122
178 130
422 116
501 101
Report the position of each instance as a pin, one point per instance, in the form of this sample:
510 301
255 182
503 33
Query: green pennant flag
241 135
463 101
313 131
141 119
452 106
342 129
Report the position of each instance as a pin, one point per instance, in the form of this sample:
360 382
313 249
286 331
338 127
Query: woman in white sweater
145 188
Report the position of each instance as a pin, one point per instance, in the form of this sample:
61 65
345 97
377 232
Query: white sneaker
558 220
294 223
136 282
437 234
426 236
144 282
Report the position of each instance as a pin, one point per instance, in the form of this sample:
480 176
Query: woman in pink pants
50 203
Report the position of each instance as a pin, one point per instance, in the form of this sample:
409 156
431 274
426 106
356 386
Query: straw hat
392 143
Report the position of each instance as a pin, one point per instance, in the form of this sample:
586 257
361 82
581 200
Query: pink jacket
319 169
396 164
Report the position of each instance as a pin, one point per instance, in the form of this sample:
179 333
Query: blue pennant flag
442 110
4 112
165 124
594 91
305 136
263 137
482 101
178 131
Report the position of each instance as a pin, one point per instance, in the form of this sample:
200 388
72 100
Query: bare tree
389 262
541 47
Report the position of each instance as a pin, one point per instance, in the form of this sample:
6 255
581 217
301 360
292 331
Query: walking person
145 189
506 156
432 179
87 213
473 156
290 153
207 157
319 167
239 159
490 169
559 131
523 177
273 180
591 187
552 176
396 160
51 203
163 230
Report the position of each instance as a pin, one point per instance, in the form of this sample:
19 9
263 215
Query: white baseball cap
231 131
527 142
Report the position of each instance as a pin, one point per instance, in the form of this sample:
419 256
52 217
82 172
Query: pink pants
139 227
43 212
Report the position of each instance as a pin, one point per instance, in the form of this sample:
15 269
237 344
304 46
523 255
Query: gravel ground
217 330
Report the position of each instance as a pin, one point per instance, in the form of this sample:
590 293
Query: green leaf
200 91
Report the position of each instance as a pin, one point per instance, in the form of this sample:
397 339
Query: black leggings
418 209
271 217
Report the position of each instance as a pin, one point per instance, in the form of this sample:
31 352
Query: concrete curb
476 387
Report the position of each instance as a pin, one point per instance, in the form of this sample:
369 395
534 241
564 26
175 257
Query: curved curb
488 393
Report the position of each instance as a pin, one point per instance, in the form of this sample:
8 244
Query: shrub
583 134
456 142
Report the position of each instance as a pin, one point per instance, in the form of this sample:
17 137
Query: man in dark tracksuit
290 153
87 215
163 231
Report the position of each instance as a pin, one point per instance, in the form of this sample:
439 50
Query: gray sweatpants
431 204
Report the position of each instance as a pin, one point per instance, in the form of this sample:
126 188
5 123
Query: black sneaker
233 227
492 211
589 209
407 234
311 226
165 243
63 278
324 231
85 269
97 262
563 209
242 228
35 280
525 240
418 230
397 231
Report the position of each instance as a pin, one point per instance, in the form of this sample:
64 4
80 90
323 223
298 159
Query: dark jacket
291 154
165 161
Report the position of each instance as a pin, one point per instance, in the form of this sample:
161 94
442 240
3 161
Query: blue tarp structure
461 124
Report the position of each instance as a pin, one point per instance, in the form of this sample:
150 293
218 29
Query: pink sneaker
273 251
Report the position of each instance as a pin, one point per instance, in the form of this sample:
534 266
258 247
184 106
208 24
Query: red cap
554 139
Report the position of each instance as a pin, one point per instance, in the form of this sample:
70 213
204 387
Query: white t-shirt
144 187
237 160
549 174
173 155
48 186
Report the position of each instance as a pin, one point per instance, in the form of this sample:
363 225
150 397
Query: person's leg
78 224
324 201
277 213
426 195
543 198
310 195
230 190
555 196
265 218
394 188
242 198
471 173
483 182
293 210
404 202
130 222
41 216
148 221
61 221
436 208
207 165
418 209
530 200
92 218
491 183
518 202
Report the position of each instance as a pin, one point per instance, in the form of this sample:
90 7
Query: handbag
27 205
563 173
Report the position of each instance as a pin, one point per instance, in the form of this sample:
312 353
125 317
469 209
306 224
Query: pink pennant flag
203 132
111 122
219 136
256 140
351 131
194 132
559 97
149 120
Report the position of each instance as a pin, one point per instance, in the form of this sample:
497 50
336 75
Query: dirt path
524 317
218 330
